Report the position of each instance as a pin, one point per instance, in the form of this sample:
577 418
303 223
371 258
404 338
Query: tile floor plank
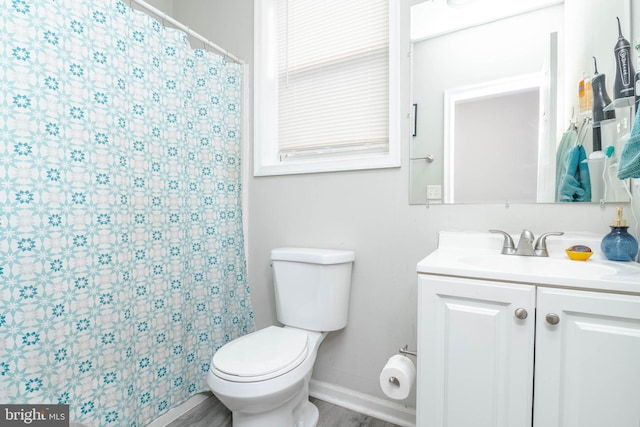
209 413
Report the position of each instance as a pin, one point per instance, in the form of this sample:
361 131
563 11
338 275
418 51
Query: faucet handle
508 247
540 247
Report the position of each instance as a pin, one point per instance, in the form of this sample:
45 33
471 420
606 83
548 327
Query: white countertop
477 255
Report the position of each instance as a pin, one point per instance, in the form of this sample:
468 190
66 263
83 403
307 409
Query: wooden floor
212 413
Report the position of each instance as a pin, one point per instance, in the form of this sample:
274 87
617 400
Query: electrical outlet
434 192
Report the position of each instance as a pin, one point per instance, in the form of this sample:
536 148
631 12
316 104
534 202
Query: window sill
327 164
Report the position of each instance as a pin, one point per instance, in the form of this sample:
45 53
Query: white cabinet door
475 365
588 364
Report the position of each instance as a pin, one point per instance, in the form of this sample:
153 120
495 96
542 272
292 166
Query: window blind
333 77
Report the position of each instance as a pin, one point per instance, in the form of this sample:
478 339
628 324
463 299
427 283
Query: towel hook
582 130
429 158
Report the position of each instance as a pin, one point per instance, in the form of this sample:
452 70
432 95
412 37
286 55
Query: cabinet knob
552 318
521 313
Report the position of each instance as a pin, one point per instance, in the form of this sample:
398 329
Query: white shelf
620 103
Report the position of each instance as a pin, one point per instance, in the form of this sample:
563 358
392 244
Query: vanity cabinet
587 370
478 340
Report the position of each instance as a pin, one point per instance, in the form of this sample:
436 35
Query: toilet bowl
263 377
259 398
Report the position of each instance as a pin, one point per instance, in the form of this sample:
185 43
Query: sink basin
554 267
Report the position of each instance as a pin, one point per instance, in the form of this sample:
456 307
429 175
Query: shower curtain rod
189 31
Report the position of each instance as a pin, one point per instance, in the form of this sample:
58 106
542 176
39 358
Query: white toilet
263 377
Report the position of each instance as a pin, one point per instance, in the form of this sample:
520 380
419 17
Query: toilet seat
261 355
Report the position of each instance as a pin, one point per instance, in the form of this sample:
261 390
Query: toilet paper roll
397 377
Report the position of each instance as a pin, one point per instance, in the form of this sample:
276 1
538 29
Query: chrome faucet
526 245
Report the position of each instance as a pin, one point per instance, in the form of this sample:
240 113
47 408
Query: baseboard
179 410
391 412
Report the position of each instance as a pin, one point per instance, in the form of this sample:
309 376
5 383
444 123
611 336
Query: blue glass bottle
619 245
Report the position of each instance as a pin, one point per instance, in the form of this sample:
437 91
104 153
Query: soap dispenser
619 245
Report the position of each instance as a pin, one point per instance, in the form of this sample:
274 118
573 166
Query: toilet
263 377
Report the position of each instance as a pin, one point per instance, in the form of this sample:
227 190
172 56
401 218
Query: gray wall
165 6
366 211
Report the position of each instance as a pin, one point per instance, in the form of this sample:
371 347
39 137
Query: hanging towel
567 141
575 186
629 165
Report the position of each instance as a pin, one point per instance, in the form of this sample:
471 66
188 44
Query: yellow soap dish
579 252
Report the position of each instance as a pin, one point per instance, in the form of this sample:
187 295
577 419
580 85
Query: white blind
333 76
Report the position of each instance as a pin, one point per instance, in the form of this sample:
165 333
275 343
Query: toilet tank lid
313 255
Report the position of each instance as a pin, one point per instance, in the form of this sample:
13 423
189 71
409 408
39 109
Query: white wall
582 16
366 211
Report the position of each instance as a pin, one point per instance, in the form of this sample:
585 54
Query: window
326 86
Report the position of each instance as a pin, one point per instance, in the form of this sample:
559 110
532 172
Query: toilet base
310 415
297 412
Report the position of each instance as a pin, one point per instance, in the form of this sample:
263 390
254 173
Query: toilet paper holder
405 352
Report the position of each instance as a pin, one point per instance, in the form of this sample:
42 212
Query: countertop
477 255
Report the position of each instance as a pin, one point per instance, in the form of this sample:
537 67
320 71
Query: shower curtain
122 265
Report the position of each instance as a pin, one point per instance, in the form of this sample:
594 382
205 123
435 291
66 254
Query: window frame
265 149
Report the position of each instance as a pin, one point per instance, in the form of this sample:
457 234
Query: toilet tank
312 287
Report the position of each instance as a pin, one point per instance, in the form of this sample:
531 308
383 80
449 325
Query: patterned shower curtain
122 265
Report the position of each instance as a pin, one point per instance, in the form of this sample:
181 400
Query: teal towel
576 185
567 141
629 165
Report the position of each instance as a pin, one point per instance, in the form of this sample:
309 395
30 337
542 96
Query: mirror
494 89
